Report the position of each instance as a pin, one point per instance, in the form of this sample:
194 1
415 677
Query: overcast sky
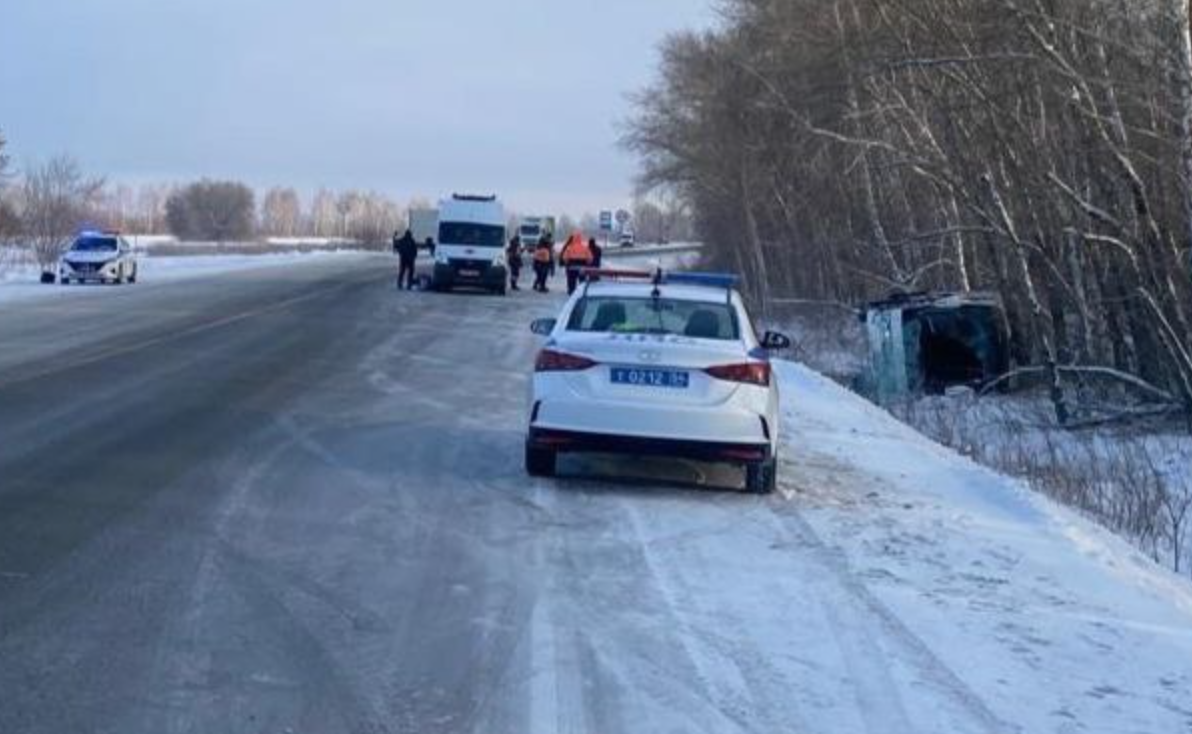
409 97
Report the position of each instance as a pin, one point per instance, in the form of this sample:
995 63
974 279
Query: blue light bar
710 280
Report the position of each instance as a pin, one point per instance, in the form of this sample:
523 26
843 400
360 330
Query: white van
471 247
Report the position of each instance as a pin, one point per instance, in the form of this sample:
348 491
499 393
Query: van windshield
471 235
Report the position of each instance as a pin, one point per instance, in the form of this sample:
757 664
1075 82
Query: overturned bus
931 342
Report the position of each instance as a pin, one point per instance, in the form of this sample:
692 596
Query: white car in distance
101 257
656 364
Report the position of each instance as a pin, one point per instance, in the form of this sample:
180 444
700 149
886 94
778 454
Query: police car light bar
711 280
615 274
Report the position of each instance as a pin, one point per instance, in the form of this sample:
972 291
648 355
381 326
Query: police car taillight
551 361
749 373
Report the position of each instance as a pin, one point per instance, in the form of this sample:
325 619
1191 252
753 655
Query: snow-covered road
292 500
19 282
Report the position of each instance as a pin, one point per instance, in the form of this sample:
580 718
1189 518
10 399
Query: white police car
100 257
656 364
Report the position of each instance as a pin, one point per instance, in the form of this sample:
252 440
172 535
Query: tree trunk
1182 15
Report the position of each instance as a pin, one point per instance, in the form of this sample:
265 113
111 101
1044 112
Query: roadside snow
19 282
1027 615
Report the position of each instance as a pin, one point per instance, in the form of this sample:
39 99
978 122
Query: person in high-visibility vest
576 255
544 260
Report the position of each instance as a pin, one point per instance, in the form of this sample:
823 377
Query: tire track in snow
913 651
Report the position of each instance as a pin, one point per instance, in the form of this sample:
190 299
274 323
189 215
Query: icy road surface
291 500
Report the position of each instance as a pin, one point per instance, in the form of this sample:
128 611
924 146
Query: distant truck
533 229
471 245
424 224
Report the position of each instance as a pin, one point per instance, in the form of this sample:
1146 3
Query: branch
1108 372
956 61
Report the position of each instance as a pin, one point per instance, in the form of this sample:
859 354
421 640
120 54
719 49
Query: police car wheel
762 477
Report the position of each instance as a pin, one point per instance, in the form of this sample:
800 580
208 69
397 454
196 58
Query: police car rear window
658 316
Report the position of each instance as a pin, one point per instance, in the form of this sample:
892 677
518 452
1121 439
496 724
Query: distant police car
100 257
641 363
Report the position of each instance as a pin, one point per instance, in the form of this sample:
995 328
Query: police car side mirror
544 327
776 342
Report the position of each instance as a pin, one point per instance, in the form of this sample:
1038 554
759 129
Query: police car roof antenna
658 278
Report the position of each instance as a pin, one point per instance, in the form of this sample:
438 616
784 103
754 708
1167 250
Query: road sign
606 221
623 217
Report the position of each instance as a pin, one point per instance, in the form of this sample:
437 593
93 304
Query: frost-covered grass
1135 480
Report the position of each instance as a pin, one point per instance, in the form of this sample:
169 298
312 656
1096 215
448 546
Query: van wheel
541 462
762 477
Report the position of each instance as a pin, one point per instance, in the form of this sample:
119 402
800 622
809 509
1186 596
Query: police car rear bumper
577 442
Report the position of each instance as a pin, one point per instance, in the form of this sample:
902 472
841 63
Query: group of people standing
576 255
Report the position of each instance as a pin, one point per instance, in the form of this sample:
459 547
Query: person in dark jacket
597 252
407 255
513 258
549 239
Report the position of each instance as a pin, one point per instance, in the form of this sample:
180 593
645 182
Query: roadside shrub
212 211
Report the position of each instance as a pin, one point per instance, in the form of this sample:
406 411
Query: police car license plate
466 273
672 379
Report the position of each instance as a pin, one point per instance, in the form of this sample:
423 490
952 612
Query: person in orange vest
544 260
576 256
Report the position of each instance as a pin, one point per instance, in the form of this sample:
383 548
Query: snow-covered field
19 280
961 597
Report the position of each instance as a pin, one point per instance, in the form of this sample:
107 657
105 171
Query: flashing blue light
710 280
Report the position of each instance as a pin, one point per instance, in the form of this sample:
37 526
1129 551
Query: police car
656 364
101 257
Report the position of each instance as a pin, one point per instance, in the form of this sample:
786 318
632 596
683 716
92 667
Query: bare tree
217 211
370 218
8 214
648 221
281 212
4 159
323 215
151 208
56 199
